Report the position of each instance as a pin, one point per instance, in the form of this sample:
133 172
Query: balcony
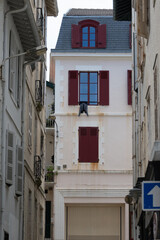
49 174
50 123
37 169
38 95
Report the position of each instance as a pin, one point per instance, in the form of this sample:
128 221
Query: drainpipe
2 185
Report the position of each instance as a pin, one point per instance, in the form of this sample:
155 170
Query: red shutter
88 144
75 36
73 88
102 36
104 88
130 36
129 76
93 144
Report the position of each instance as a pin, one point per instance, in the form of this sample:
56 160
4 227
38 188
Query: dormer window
88 37
88 34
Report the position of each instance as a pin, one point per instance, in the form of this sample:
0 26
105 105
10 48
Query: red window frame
89 83
89 23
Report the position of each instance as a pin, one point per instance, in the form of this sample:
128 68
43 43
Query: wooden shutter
75 36
73 88
104 88
19 171
9 157
129 79
88 144
102 36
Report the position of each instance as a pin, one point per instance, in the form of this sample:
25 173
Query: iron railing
40 20
49 174
37 169
38 91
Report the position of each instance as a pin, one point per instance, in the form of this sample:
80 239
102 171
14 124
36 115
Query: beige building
35 134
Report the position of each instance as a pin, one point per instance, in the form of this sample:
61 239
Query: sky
53 23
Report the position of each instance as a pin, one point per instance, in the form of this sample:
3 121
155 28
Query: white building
92 153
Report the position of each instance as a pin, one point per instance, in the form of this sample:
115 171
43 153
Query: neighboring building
146 114
22 35
49 163
92 153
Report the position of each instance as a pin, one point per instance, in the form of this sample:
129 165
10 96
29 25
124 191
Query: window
89 88
48 220
93 88
15 70
88 37
6 236
144 18
88 34
88 144
30 124
9 157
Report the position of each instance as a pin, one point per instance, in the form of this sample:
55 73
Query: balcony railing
50 123
49 174
37 169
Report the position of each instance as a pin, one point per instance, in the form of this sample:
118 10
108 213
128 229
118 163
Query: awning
52 8
26 25
122 10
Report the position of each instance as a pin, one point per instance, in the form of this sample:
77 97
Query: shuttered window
30 124
9 157
15 70
19 171
88 144
88 34
129 83
93 88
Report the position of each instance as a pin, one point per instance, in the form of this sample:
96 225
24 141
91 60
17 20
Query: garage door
93 223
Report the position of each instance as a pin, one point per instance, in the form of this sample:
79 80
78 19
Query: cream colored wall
109 180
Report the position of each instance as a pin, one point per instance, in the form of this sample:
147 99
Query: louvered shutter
129 79
104 88
73 88
9 157
30 125
75 36
93 144
88 144
19 171
12 62
102 35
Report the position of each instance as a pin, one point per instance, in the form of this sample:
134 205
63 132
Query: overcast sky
53 25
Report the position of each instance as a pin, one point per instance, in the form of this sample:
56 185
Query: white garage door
93 223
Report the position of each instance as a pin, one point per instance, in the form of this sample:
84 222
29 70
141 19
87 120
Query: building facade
146 116
22 51
93 114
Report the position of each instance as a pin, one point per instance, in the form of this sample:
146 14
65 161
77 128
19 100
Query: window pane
93 88
92 30
92 43
83 98
84 43
93 99
93 77
83 77
85 36
85 30
92 36
83 88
